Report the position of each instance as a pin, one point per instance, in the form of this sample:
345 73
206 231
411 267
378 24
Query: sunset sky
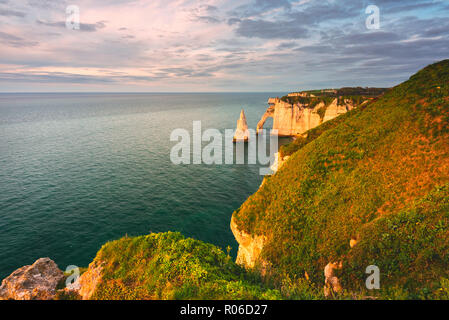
216 45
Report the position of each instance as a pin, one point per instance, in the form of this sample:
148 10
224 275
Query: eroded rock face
278 161
35 282
334 109
295 119
250 246
89 280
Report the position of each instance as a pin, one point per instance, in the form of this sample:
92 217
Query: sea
80 169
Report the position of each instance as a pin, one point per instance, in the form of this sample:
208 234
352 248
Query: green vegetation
301 141
311 102
168 266
410 247
355 95
377 174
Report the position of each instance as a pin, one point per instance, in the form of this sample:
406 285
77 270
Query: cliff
370 187
166 266
292 119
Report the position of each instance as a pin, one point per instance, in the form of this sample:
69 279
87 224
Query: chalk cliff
369 187
295 119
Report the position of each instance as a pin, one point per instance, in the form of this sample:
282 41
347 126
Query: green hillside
357 95
379 175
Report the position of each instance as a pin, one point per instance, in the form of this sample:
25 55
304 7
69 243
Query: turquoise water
77 170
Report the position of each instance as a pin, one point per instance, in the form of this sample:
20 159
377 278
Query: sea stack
241 133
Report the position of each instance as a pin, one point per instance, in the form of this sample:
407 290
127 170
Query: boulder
35 282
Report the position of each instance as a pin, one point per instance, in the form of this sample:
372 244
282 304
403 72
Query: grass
411 248
378 174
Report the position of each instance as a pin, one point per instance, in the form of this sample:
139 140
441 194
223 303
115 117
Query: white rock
241 133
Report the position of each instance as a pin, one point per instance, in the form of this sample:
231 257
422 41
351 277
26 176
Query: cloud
208 19
270 30
11 13
55 77
87 27
208 45
48 4
206 14
72 78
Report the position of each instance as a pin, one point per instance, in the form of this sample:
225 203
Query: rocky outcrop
35 282
278 161
295 119
268 114
335 109
87 283
331 282
241 133
250 246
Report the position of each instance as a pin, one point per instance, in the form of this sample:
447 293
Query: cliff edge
368 190
370 187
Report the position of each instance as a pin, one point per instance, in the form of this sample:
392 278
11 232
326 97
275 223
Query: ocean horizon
80 169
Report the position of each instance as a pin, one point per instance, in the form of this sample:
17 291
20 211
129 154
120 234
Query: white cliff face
241 133
289 120
331 282
295 119
334 109
86 285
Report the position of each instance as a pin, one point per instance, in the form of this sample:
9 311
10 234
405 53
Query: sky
216 45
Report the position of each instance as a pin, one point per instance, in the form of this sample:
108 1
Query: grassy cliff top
377 174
